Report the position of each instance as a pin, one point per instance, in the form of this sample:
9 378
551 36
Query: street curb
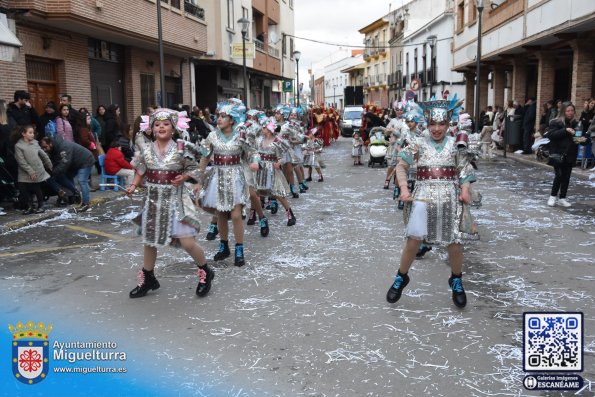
577 172
15 225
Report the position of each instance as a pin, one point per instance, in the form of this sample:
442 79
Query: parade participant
313 154
270 181
437 209
166 218
391 155
297 139
252 129
225 191
281 112
357 148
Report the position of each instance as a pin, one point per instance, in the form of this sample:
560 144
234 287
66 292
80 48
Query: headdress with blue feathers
413 112
283 109
441 110
234 108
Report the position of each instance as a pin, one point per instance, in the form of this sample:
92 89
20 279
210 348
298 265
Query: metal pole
245 73
478 69
161 60
297 86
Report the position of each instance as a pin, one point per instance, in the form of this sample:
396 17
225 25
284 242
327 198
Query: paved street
307 315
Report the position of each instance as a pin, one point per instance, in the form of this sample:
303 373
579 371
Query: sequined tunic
441 169
225 184
313 153
270 181
164 216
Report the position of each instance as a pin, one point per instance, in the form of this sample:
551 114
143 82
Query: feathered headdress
441 110
283 109
234 108
413 112
178 119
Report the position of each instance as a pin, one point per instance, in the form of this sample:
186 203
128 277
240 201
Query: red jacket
114 162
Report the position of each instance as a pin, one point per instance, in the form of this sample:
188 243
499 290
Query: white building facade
335 81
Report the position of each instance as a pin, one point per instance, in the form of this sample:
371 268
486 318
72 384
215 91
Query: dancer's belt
444 173
268 157
226 160
161 177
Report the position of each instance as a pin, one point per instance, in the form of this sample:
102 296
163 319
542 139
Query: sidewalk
530 159
15 220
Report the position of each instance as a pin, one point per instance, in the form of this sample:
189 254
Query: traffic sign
415 84
409 95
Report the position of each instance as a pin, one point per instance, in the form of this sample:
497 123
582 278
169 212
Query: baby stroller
378 147
8 188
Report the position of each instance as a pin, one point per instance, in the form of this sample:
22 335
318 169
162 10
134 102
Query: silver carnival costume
436 215
225 184
270 181
167 210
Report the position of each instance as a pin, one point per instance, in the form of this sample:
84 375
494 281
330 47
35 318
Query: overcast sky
335 21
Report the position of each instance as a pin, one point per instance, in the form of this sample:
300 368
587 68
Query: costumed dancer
297 139
270 181
252 128
225 191
437 211
281 113
313 154
357 150
168 212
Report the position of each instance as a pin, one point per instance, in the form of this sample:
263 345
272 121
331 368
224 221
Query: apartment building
102 51
269 56
530 48
377 59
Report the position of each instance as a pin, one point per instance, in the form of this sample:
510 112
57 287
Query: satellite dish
272 37
472 52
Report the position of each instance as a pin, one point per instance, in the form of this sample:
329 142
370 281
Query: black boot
303 184
422 250
205 277
274 206
294 194
395 291
264 227
302 189
251 218
239 259
146 282
458 293
213 232
223 251
309 179
290 217
320 178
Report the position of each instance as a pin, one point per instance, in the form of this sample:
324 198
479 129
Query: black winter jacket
561 142
69 157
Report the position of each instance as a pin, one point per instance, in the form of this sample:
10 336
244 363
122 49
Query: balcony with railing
194 10
274 51
259 45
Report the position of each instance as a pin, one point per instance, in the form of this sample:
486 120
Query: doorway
42 83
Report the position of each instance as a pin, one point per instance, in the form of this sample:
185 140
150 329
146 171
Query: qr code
553 342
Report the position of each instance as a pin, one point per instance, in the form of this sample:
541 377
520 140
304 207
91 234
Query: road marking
50 249
93 231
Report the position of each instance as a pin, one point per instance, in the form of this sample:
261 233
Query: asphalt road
307 315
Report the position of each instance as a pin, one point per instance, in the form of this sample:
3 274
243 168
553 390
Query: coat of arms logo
30 351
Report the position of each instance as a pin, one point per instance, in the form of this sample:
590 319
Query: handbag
556 159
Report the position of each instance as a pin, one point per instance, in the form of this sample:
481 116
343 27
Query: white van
351 119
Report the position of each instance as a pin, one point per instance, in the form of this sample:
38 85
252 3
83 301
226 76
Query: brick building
530 48
102 51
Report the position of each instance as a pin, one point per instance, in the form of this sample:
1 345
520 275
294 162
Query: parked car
352 118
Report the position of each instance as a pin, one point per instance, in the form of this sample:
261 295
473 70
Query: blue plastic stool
105 178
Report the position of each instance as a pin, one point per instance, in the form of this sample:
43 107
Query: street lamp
480 4
245 24
334 103
297 55
162 102
431 40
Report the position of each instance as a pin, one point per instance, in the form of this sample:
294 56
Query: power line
364 47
